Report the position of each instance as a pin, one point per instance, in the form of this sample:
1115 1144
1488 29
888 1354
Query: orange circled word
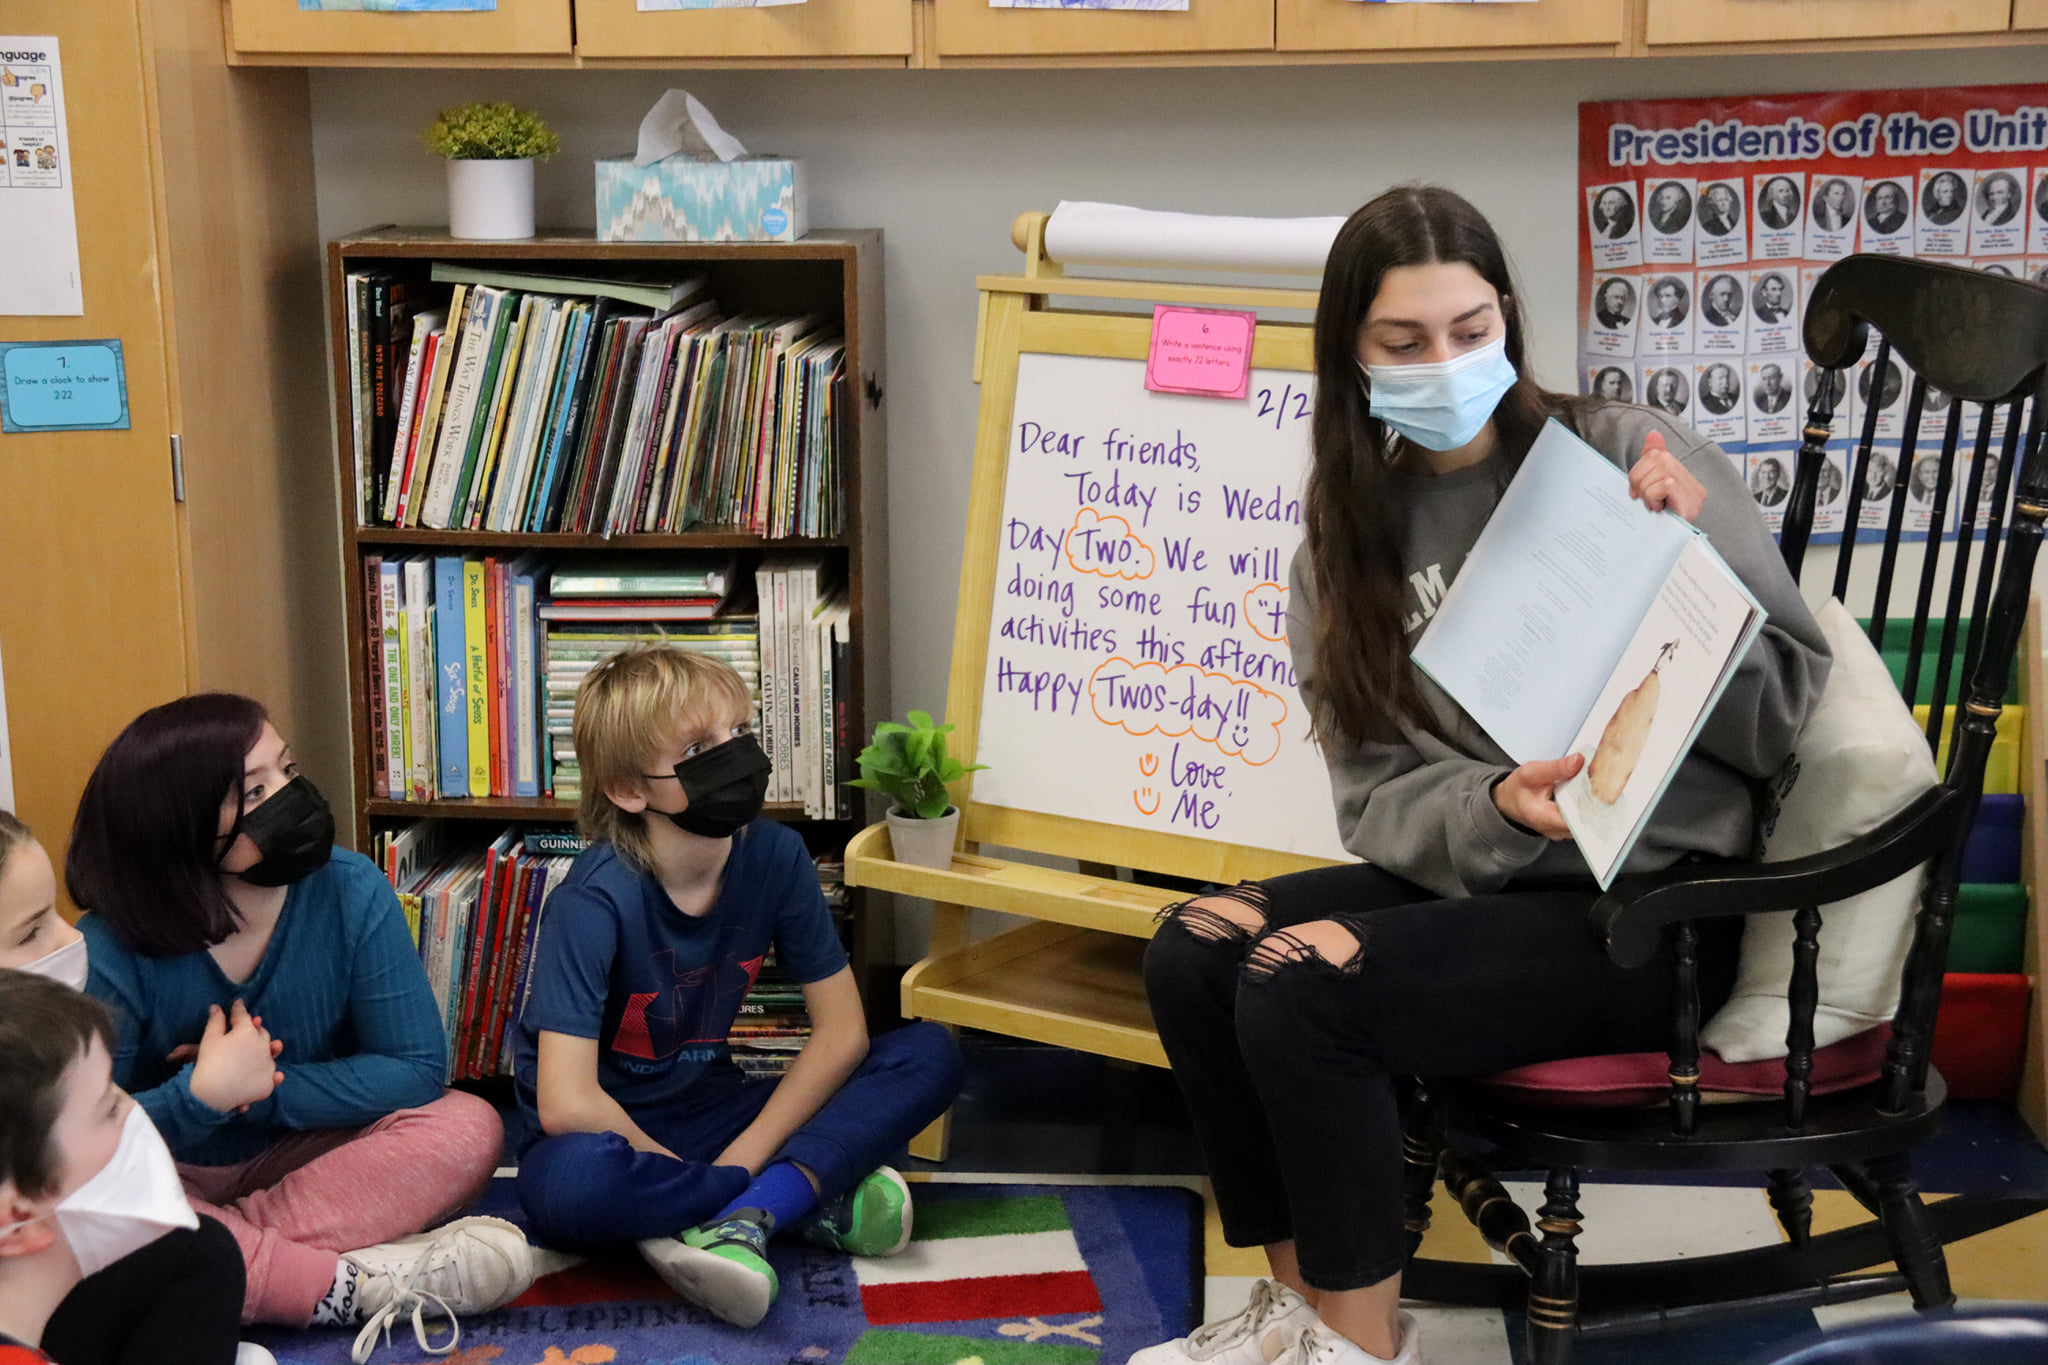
1107 546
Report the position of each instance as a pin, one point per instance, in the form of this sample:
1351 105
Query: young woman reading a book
1289 1007
275 1024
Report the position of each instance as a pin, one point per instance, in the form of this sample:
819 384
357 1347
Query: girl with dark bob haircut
1458 946
276 1025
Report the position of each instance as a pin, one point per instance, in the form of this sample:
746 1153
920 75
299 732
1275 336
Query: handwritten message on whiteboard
1138 671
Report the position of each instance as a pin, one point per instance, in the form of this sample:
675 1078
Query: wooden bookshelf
837 274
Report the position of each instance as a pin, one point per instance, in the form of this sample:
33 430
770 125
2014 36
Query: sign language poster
1704 224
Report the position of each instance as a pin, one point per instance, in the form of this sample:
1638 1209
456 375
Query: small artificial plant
492 131
910 764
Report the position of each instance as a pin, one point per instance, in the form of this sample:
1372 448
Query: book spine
446 350
519 953
764 587
389 600
451 683
359 409
497 397
494 675
373 659
828 739
527 777
459 409
788 708
381 405
503 962
408 406
417 417
475 653
419 606
469 996
842 714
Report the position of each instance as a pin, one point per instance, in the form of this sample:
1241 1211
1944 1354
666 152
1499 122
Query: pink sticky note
1204 351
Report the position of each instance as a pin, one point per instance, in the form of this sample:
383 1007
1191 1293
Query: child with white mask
84 1178
176 1300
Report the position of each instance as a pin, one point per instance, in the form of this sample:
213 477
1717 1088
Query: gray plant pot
923 843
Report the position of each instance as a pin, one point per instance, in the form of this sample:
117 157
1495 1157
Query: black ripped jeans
1288 1064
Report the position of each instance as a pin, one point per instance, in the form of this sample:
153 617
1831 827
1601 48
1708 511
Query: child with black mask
275 1023
639 1127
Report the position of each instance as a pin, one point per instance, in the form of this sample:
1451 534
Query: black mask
724 785
293 831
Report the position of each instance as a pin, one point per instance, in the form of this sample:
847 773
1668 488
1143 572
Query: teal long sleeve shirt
340 984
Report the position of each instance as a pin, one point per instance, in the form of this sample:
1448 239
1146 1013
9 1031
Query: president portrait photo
1720 389
1887 389
1834 205
1615 303
1941 203
1884 207
1670 302
1613 384
1770 394
1614 213
1720 209
1669 391
1721 301
1998 199
1779 203
1771 297
1670 208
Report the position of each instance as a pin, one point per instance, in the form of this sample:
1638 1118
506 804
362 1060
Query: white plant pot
490 200
923 843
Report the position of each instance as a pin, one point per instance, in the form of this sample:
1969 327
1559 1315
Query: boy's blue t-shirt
616 961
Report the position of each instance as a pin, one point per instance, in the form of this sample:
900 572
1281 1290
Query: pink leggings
310 1196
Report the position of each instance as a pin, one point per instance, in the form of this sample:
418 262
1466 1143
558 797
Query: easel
1071 977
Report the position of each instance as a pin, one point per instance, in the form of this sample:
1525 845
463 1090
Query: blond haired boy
637 1125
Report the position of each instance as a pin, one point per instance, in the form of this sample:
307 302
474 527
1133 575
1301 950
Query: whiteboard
1138 672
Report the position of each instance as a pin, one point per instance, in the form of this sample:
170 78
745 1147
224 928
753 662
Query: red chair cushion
1637 1078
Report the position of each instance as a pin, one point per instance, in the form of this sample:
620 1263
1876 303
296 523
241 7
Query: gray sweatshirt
1423 807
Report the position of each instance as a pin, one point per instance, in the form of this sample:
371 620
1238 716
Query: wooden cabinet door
92 620
974 28
2029 14
818 28
262 28
1348 26
1673 23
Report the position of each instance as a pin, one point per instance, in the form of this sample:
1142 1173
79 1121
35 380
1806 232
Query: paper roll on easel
1114 234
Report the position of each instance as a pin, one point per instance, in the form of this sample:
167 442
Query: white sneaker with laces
471 1265
1316 1344
1238 1339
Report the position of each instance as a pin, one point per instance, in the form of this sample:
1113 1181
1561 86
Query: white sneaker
1316 1344
1240 1338
471 1265
249 1353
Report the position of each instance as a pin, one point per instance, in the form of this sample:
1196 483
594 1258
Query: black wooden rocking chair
1972 336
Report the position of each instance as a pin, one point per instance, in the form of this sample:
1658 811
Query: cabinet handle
177 467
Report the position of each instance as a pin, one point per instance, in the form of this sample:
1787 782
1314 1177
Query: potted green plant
491 147
909 763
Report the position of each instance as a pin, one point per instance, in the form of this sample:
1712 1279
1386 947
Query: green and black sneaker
721 1267
871 1219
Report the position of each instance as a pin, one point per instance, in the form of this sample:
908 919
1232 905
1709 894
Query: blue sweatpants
584 1190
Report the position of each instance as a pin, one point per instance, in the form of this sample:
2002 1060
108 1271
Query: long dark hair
145 847
1365 687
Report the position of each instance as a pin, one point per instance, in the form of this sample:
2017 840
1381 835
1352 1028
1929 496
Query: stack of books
806 685
476 914
491 401
773 1025
453 674
594 612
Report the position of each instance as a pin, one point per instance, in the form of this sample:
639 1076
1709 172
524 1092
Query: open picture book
1584 623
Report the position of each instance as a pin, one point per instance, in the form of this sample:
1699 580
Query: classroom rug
996 1274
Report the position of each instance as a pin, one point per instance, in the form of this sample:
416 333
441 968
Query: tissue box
752 199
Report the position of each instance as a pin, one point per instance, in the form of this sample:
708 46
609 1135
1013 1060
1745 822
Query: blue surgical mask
1441 406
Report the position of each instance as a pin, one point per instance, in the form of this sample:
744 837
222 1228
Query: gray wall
943 160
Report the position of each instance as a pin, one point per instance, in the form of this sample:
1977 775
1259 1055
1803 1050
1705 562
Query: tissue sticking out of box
679 122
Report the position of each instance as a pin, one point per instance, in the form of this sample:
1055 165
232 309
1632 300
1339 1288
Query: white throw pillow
1859 761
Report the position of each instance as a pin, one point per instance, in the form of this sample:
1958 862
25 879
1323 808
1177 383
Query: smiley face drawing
1143 795
1148 764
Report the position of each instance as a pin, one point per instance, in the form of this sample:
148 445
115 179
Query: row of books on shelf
474 662
476 915
484 400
